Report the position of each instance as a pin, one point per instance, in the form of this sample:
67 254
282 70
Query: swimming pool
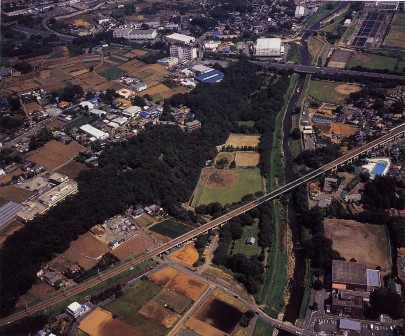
379 168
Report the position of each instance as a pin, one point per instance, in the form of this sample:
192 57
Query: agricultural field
72 169
55 154
331 92
395 37
247 159
159 314
180 283
177 302
145 220
316 47
8 177
238 140
112 73
170 228
347 233
15 194
133 247
226 185
371 61
242 247
187 255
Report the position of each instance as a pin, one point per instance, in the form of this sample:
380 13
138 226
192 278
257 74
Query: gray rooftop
349 324
373 278
348 272
8 211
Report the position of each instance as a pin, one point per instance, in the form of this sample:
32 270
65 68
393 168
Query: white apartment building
187 53
135 34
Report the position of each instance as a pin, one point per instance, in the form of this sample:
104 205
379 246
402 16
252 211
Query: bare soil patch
8 177
15 194
55 154
347 89
41 290
244 159
55 124
346 235
218 178
132 247
238 140
157 89
202 328
187 255
157 313
180 282
72 169
363 58
177 302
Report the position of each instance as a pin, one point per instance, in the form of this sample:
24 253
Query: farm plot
157 89
331 92
170 228
8 177
15 194
371 61
395 37
176 301
72 169
112 73
55 154
238 140
346 235
159 314
247 159
145 220
132 247
180 282
187 255
131 65
226 185
127 307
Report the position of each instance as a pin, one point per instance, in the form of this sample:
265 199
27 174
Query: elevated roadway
394 134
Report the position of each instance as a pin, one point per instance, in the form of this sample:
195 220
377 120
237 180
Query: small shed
250 240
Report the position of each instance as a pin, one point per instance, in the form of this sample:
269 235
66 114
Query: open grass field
159 314
294 53
170 228
371 61
176 301
133 247
112 73
8 230
127 307
187 255
188 332
180 282
331 92
247 159
101 323
55 154
316 46
72 169
346 235
242 247
238 140
15 194
226 185
262 328
247 123
395 37
145 220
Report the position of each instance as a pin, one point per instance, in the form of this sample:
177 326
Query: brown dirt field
157 89
54 87
79 72
134 246
213 178
187 255
159 314
247 159
202 328
41 290
346 235
55 154
347 89
172 92
93 79
9 230
8 177
178 302
32 107
55 124
131 65
107 85
229 155
72 169
363 58
83 261
15 194
347 130
180 283
103 67
237 140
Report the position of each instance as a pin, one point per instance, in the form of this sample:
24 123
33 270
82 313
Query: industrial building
183 52
193 125
169 61
269 47
30 210
135 34
94 132
213 76
180 39
58 193
301 11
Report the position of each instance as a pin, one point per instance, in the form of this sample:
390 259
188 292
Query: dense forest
161 165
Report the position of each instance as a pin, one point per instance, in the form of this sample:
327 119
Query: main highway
68 293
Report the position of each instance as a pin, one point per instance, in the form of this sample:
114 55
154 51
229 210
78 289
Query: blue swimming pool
379 168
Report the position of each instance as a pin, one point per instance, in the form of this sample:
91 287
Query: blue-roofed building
144 114
8 211
216 34
213 76
6 73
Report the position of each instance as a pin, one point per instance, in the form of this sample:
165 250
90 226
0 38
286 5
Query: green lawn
307 292
170 228
321 13
83 120
325 91
263 329
126 307
113 73
242 247
294 55
395 37
371 61
248 181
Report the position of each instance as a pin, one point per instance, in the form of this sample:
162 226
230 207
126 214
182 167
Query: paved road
43 33
204 228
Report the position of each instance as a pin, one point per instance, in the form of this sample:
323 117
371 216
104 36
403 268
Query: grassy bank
322 12
307 292
294 53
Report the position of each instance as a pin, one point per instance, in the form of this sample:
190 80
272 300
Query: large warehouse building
180 38
135 34
268 47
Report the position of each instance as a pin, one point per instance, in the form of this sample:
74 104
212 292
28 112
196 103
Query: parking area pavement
326 324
